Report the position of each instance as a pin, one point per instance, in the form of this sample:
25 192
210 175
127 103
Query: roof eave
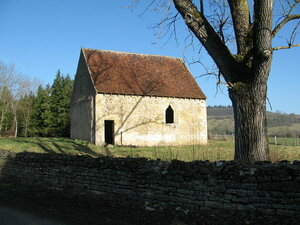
161 96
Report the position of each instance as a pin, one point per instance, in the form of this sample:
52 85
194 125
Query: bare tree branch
240 15
221 33
290 42
201 7
287 17
168 24
147 8
293 35
210 40
283 22
285 47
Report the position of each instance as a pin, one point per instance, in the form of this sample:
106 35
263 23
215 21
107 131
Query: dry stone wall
201 185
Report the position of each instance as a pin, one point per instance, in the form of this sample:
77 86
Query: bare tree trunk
14 111
249 96
249 106
26 129
1 122
2 119
3 112
27 117
16 125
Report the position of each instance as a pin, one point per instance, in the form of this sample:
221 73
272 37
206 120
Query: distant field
220 121
293 141
216 149
292 130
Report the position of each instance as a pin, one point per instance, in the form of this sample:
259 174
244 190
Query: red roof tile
137 74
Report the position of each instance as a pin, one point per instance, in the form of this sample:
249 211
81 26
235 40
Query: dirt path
10 216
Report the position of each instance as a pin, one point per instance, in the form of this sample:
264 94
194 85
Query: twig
288 17
269 103
283 22
285 47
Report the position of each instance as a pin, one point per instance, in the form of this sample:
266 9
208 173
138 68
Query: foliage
29 111
60 97
51 108
41 116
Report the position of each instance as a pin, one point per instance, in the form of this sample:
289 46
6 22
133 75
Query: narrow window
169 115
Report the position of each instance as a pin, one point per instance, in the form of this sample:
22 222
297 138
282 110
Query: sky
42 36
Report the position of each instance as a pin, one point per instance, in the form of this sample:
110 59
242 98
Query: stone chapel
136 100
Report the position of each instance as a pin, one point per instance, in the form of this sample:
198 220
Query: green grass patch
215 150
47 145
291 141
280 152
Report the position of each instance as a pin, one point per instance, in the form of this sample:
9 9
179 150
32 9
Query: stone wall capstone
269 188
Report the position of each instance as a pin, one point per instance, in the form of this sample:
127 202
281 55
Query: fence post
275 140
286 143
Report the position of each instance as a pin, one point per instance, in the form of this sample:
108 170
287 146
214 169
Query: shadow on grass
85 149
56 145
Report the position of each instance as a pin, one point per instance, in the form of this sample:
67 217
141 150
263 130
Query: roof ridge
133 53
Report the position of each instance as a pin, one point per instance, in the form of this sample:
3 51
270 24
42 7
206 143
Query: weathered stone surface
188 186
140 120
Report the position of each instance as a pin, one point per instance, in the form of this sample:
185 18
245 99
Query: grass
216 149
291 141
48 145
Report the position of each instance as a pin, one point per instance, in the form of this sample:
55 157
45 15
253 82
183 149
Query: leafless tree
29 88
238 35
13 87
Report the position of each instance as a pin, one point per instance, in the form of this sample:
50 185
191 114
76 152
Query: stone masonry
269 188
141 119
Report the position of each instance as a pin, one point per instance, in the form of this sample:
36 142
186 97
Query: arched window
169 115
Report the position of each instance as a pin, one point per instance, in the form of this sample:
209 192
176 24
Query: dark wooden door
109 132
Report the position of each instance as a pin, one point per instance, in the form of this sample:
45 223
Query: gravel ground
89 212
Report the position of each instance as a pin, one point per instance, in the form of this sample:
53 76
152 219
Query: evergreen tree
41 118
61 91
25 113
45 114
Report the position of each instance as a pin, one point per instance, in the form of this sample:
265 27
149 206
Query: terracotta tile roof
137 74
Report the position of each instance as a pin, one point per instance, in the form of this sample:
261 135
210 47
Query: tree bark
249 98
249 106
241 19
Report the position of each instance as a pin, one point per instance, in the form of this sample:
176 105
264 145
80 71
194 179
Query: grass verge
216 150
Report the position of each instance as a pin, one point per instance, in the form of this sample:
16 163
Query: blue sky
42 36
